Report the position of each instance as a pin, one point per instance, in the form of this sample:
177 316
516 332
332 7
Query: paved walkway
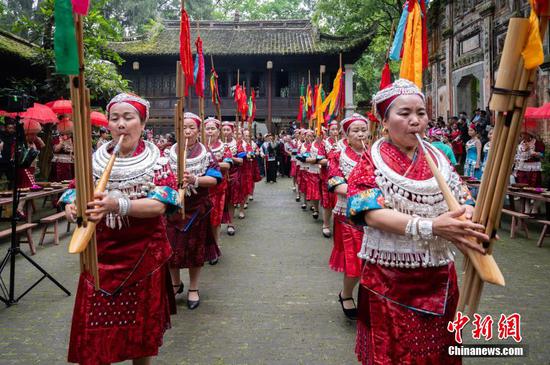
270 300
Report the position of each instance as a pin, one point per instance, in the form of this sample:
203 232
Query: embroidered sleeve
166 195
214 169
335 175
362 202
363 191
68 197
214 173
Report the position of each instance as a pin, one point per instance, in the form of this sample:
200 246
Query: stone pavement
270 300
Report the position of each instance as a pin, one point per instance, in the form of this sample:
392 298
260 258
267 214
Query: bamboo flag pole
509 101
217 104
307 92
201 98
237 107
180 137
83 163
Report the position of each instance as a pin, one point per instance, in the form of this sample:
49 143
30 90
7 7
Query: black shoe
312 208
297 198
315 214
213 262
304 207
230 230
180 288
193 304
350 313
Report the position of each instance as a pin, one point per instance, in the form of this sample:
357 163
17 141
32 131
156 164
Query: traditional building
466 39
274 57
18 59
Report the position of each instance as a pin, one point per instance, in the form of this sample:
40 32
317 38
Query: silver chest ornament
133 177
421 198
196 165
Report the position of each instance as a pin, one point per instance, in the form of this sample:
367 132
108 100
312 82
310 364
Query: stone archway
468 94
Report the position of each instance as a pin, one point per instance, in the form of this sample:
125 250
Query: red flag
252 106
309 102
186 57
199 69
385 80
243 105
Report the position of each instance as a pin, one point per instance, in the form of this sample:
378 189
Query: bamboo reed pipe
485 264
83 234
182 189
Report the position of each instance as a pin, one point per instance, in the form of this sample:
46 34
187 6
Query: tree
356 17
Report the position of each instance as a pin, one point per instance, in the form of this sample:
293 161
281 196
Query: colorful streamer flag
332 100
533 54
198 72
309 102
65 47
243 104
385 78
81 7
411 41
319 112
214 90
186 57
252 106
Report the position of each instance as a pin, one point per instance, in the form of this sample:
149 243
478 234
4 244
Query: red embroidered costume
127 317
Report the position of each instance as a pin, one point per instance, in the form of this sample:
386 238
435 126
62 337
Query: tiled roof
11 44
275 37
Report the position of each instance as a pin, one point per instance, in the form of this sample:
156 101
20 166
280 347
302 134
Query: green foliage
356 17
102 77
268 9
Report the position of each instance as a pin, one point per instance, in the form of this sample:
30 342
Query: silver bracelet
414 231
408 228
425 229
123 206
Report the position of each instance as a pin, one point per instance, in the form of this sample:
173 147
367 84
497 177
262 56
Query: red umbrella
62 106
31 126
41 113
542 112
4 113
99 119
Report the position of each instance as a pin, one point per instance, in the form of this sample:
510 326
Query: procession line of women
144 238
392 231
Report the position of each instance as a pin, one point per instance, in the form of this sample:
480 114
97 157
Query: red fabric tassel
186 57
424 35
385 80
81 6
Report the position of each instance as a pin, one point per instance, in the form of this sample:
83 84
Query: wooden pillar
269 96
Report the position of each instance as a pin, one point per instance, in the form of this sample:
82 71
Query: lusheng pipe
83 234
485 265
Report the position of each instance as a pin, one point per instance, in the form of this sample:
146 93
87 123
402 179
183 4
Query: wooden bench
543 234
27 229
46 221
518 220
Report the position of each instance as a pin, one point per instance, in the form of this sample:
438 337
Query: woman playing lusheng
408 290
347 236
328 200
191 236
222 154
127 317
233 195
